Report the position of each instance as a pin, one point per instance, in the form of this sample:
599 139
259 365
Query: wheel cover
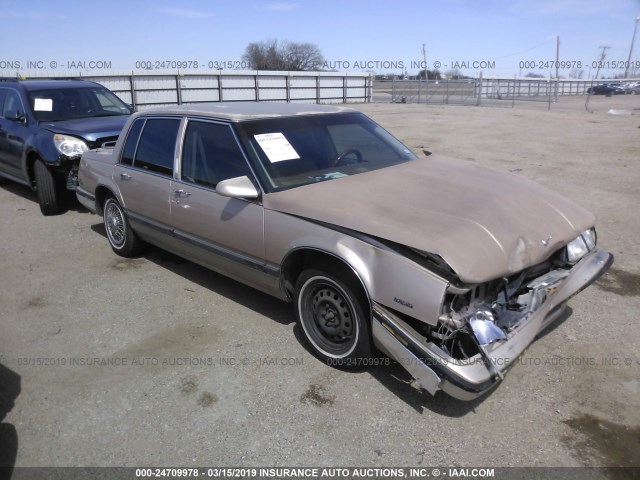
328 317
115 224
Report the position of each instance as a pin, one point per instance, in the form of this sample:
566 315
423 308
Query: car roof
242 111
34 84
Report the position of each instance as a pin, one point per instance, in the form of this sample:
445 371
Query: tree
431 74
283 55
455 74
534 75
576 73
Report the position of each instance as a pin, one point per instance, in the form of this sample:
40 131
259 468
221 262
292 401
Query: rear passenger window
211 154
129 150
156 147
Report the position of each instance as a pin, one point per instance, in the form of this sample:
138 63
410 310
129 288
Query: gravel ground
210 372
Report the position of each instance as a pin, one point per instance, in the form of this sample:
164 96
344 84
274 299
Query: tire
331 311
47 189
122 238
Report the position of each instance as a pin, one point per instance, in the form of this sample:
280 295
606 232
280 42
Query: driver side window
211 154
12 104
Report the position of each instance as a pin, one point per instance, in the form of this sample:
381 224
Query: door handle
182 193
125 176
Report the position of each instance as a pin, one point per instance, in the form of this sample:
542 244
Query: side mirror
15 116
239 187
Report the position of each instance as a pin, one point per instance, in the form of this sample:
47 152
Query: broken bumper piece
467 379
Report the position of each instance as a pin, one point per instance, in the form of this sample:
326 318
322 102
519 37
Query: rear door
144 175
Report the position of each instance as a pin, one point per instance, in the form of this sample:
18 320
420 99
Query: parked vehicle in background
606 89
449 268
45 125
632 88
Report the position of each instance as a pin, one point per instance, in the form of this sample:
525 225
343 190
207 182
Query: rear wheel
47 189
334 317
122 238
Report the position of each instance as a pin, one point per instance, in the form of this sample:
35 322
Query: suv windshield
69 103
295 151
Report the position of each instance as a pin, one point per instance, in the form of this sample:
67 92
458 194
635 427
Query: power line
546 42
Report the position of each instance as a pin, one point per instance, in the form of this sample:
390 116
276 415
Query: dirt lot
209 372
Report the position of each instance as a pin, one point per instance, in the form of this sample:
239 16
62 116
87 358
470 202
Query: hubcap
114 222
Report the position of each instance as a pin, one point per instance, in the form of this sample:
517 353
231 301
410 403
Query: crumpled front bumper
467 379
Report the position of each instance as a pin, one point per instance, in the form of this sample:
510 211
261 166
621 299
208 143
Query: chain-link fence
480 91
421 91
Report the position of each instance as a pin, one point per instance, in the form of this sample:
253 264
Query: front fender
388 278
42 144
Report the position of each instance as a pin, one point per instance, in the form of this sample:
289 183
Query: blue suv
46 125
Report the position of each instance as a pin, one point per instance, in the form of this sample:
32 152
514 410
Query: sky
497 37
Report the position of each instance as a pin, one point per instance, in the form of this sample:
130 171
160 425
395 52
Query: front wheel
332 315
122 239
47 189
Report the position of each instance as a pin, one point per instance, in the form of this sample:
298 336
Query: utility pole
603 55
626 70
424 59
557 65
426 73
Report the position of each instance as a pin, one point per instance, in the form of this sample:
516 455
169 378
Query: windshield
295 151
69 103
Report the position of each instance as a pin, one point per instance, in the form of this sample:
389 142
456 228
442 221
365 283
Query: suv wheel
46 189
122 239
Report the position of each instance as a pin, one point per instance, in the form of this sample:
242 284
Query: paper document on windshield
276 147
43 105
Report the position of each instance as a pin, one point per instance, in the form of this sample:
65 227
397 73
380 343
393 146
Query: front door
13 134
222 233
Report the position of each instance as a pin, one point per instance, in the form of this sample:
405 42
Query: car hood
90 128
483 222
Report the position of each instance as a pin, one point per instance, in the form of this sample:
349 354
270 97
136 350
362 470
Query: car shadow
69 201
9 392
399 382
564 316
237 292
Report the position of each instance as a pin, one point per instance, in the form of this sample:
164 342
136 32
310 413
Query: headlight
69 146
579 247
590 238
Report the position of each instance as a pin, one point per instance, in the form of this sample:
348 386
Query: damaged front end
484 328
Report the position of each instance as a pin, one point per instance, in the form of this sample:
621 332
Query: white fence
143 90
